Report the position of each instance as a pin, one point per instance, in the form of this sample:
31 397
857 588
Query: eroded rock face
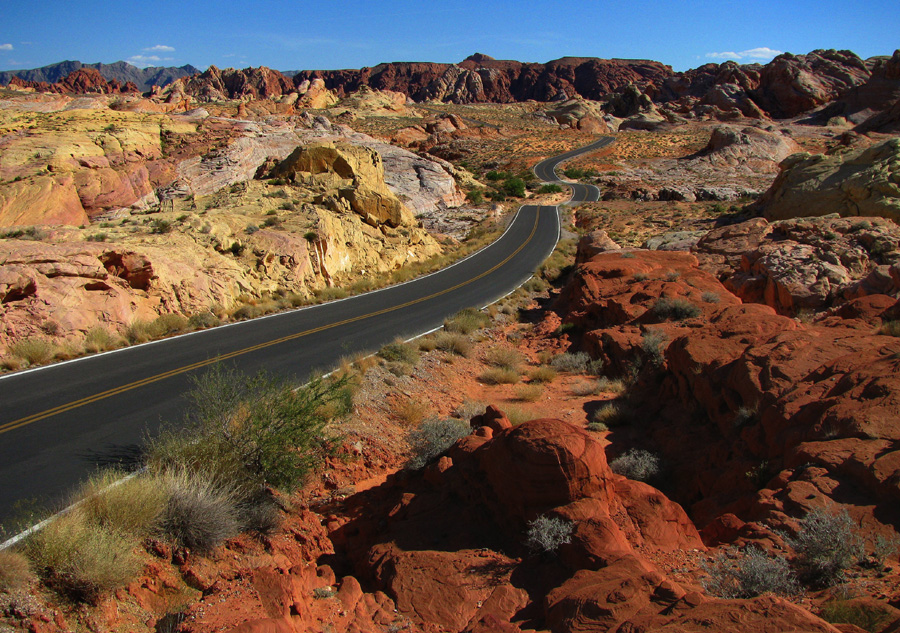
811 264
863 182
781 416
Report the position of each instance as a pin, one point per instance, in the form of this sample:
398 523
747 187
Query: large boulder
864 182
356 171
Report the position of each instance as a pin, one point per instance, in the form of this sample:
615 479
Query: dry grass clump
400 352
890 328
199 513
412 411
530 392
330 294
468 409
612 414
81 559
576 363
505 358
203 320
467 321
499 376
584 388
451 342
518 415
99 339
130 507
542 374
597 427
15 571
170 323
615 386
33 351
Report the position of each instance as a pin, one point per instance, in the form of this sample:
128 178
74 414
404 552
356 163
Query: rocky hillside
81 81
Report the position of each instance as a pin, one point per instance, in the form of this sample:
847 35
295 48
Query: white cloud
6 47
142 61
756 54
160 48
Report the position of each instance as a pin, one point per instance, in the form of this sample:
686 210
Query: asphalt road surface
59 423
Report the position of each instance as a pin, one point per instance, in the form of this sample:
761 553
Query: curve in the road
53 434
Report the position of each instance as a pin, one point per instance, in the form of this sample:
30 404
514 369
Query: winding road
59 422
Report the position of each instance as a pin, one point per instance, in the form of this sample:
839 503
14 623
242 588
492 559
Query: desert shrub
400 352
551 188
99 339
636 464
253 430
517 415
597 427
499 376
248 311
199 513
474 196
535 285
576 363
129 507
469 409
160 227
890 328
412 411
203 320
542 374
433 437
866 615
674 309
331 294
454 343
139 331
672 275
34 351
15 571
613 414
80 559
826 544
505 357
884 547
710 297
169 323
529 393
615 386
467 321
584 388
653 344
640 276
545 534
752 574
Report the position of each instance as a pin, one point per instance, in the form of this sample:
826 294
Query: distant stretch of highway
59 423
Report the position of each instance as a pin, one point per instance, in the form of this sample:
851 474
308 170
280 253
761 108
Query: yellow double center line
15 424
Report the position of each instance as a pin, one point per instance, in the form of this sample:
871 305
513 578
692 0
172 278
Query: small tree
514 187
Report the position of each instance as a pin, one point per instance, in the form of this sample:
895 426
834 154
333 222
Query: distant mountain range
123 72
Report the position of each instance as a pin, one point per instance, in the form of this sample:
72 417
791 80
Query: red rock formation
81 81
481 78
757 414
219 85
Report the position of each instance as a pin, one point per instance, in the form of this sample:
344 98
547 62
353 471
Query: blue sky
319 34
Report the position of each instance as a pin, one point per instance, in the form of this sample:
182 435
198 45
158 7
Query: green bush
752 574
433 437
474 196
514 187
653 344
552 188
253 430
546 534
